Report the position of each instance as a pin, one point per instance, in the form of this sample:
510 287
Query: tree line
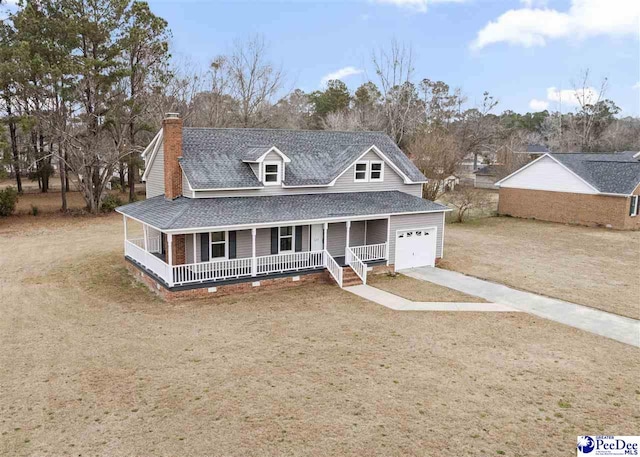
84 85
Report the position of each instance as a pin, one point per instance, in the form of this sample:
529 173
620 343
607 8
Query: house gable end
548 174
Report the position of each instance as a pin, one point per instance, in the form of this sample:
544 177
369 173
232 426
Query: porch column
325 229
195 248
254 260
346 248
124 218
145 236
170 248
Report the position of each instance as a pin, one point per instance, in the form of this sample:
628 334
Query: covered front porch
221 256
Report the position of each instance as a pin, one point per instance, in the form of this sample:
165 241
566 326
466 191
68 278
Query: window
218 245
271 173
377 169
369 170
361 171
286 239
634 207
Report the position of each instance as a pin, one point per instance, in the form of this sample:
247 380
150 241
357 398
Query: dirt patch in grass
590 266
93 364
416 290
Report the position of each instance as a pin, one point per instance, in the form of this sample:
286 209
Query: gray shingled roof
213 158
541 148
614 173
189 213
253 153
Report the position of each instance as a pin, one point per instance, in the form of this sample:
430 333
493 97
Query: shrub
8 200
34 210
110 203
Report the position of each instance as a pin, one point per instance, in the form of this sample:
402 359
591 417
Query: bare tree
436 154
254 81
466 199
394 69
342 120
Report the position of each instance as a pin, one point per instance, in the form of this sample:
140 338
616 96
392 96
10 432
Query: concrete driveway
620 328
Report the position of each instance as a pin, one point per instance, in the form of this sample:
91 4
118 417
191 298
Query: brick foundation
568 208
228 289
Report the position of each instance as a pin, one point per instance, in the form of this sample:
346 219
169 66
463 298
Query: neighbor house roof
612 173
489 170
194 213
537 148
213 158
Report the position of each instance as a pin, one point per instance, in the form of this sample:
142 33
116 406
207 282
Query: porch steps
350 277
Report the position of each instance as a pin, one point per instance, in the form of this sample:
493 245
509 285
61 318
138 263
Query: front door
317 237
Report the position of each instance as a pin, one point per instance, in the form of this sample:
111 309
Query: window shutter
298 246
204 247
232 244
274 240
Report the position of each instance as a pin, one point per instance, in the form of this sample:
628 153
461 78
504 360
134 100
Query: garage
415 248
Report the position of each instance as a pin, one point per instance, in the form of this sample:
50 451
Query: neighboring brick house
598 189
232 209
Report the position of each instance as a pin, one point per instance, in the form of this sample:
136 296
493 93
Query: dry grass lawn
590 266
93 364
421 291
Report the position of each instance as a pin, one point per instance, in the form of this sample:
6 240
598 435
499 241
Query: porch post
254 260
325 229
170 248
195 248
124 218
144 235
346 249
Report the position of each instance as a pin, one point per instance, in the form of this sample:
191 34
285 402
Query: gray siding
185 186
337 239
377 231
243 243
410 221
356 236
392 181
155 178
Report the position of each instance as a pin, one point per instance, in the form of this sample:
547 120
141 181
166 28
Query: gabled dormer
268 163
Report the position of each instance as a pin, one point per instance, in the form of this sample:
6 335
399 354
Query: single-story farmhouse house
578 188
232 209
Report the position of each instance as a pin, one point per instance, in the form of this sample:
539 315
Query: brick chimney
172 138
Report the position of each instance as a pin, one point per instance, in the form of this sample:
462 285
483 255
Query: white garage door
415 248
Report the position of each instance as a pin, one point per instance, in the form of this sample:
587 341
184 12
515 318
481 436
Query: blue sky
521 51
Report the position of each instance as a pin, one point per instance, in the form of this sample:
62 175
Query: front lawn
94 364
419 291
590 266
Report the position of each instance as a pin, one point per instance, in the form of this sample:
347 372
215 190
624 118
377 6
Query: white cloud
532 3
538 105
536 26
571 96
636 85
340 74
419 6
563 98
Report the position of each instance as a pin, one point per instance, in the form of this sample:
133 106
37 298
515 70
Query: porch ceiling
198 213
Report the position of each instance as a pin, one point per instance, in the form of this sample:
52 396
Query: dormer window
369 171
272 173
362 169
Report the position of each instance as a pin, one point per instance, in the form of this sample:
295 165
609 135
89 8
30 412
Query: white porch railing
333 267
233 268
370 252
148 260
279 263
357 264
153 243
211 271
